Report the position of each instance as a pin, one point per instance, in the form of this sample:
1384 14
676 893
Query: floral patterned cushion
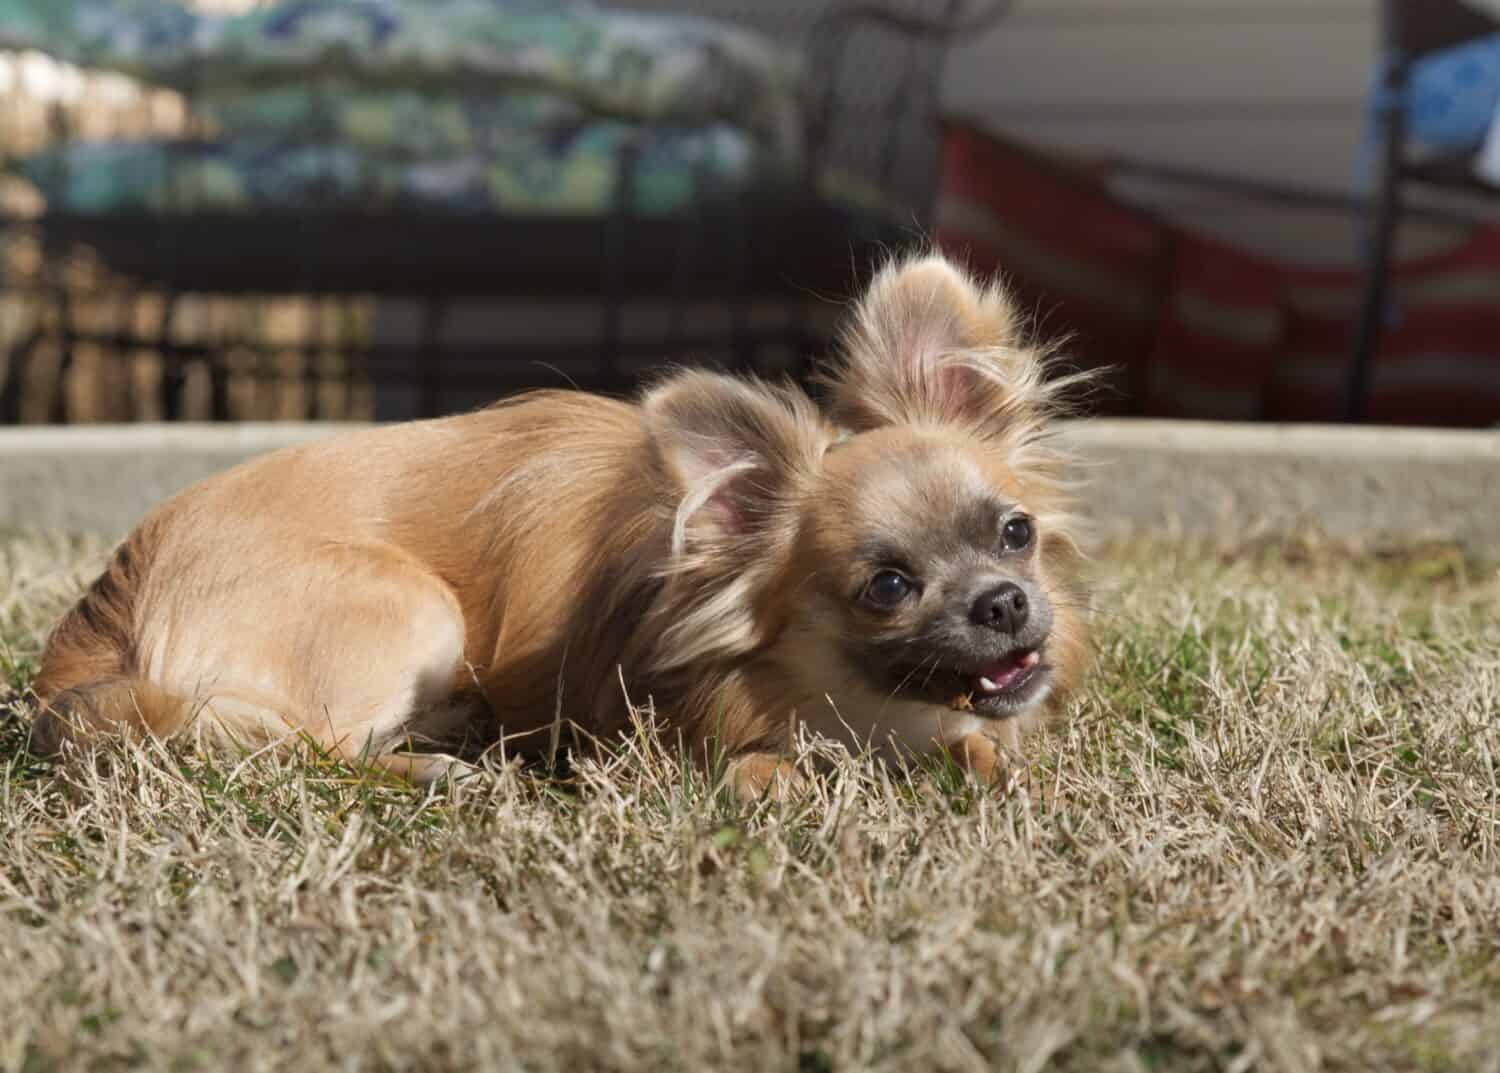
580 174
1454 95
649 67
405 124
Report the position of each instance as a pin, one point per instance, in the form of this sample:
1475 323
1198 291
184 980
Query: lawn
1268 837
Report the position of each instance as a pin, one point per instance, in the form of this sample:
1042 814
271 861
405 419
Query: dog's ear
928 344
733 449
737 456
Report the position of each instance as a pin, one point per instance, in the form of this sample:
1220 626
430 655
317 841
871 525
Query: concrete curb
1228 479
1171 477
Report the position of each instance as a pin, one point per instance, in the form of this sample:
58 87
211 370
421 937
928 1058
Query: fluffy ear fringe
928 344
731 447
737 455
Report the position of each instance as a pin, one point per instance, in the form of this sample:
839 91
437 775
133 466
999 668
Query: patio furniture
864 183
1411 31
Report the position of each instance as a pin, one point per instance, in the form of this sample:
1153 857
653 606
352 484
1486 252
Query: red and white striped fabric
1221 331
1195 328
1088 267
1439 358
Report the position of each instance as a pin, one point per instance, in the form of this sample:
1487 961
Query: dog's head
928 570
939 556
918 547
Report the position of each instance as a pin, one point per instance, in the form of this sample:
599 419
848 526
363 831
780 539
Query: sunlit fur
559 557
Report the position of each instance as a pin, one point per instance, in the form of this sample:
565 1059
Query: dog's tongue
1000 675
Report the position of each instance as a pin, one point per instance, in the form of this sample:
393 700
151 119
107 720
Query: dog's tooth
989 685
1031 659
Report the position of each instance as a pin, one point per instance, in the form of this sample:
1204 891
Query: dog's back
365 568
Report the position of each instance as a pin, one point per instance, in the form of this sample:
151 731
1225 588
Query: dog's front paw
757 775
983 758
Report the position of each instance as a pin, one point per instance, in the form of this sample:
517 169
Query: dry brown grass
1267 839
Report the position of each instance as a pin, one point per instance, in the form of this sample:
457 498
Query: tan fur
562 553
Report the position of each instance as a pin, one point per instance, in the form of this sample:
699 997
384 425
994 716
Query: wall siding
1258 89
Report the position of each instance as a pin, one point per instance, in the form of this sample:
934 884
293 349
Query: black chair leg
741 343
172 375
1374 307
1379 239
57 410
615 240
17 375
430 372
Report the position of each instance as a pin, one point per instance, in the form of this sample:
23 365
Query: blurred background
352 209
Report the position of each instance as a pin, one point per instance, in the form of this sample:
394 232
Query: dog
896 568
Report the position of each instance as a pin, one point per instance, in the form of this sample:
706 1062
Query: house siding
1256 89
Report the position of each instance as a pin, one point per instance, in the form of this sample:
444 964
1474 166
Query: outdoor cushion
1437 363
1087 265
666 68
1454 95
580 174
408 124
1220 334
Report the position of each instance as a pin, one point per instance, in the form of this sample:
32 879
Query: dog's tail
104 706
90 682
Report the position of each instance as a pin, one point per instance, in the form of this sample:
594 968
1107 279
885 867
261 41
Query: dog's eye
1018 533
888 588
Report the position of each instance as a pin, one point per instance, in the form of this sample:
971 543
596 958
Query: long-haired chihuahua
899 571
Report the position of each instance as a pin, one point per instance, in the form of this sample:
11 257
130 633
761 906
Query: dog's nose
1002 608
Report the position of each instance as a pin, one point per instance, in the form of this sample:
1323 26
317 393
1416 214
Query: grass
1268 838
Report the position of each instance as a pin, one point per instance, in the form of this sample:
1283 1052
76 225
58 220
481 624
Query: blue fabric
1454 94
1452 98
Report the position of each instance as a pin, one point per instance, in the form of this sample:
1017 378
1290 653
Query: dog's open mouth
1001 686
1005 675
998 687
